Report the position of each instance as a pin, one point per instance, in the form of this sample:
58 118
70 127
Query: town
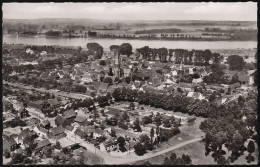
129 83
87 105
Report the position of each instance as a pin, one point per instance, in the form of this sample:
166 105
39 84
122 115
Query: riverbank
131 38
106 43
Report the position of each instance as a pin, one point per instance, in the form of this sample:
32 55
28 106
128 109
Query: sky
238 11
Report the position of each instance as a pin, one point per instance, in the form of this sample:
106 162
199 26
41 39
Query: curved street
132 157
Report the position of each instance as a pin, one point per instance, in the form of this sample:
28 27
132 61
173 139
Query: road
55 92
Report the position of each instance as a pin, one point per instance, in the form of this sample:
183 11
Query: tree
125 49
235 62
17 158
207 56
98 49
125 116
186 159
110 73
108 80
131 106
147 120
102 62
58 146
144 138
241 100
121 141
152 134
113 133
167 161
251 147
173 157
114 47
251 121
139 149
144 51
166 123
221 160
65 150
217 58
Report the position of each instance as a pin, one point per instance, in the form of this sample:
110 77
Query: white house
195 95
43 53
29 51
191 71
174 73
108 145
199 80
251 80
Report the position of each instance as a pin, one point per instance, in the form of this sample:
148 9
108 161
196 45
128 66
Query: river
41 40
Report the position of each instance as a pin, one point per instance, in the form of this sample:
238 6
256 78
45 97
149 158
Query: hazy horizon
127 20
238 11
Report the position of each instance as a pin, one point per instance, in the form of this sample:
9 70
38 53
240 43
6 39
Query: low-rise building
57 132
108 145
9 144
46 124
196 95
25 133
42 144
53 103
23 112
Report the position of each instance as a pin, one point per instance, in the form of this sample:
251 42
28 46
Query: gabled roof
69 127
103 86
109 142
57 130
53 102
43 143
21 109
99 131
127 71
26 132
80 119
69 114
45 122
243 77
44 75
88 129
196 95
235 85
79 132
136 84
113 78
114 111
190 94
208 69
59 119
10 140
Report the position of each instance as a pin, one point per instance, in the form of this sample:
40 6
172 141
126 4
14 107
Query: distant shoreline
148 39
